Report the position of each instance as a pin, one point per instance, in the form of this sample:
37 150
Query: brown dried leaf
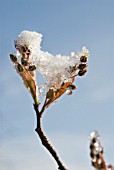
56 94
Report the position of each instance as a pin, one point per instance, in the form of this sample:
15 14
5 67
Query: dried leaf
57 93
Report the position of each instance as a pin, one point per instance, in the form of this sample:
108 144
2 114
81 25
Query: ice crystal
55 69
95 135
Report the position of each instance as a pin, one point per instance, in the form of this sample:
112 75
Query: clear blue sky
66 25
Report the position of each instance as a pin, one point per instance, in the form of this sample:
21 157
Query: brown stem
44 139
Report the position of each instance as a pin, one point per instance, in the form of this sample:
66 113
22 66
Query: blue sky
66 25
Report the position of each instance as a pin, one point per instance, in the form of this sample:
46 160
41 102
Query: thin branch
44 139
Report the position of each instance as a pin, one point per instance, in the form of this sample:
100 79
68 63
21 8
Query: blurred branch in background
96 153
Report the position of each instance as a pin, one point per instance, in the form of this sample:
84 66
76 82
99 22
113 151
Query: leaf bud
82 72
83 59
13 58
82 66
19 68
32 68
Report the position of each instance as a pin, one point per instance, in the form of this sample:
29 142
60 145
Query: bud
19 68
92 154
91 146
50 94
24 62
24 49
32 68
83 59
82 72
13 58
82 66
94 140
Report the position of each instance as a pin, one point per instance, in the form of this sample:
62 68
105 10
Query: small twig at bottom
44 139
96 153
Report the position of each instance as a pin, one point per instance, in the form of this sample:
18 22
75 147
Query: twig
96 153
44 139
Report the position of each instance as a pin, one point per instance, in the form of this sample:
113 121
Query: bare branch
44 139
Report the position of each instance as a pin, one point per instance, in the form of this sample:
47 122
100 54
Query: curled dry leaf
52 95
